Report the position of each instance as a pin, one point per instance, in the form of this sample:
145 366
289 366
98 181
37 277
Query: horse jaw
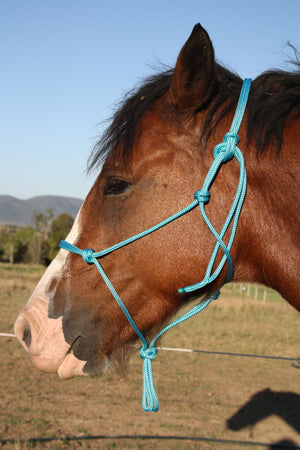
43 337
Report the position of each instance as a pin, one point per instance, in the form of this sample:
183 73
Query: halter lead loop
223 153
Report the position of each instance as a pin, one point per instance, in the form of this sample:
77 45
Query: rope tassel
150 400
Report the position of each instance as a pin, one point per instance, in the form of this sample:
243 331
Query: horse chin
72 367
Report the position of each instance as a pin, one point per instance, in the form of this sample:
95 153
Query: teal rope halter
223 153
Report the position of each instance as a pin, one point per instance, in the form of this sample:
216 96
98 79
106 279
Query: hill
14 211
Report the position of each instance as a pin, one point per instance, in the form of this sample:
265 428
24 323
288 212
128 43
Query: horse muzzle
43 340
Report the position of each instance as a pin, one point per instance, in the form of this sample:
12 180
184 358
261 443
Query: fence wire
286 444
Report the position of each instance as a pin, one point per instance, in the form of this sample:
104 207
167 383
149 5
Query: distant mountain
14 211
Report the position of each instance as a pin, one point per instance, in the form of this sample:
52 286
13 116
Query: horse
151 160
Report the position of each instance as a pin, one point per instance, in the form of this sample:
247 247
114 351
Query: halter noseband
223 153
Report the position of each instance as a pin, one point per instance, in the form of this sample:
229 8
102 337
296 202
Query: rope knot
148 353
227 147
202 196
87 255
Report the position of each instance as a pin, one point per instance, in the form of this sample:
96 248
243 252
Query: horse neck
270 241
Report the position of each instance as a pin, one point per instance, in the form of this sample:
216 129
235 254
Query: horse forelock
119 135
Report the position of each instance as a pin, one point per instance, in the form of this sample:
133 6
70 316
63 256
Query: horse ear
194 71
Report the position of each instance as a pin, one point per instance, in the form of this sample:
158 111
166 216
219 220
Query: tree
45 251
42 224
8 243
60 228
36 244
15 243
23 238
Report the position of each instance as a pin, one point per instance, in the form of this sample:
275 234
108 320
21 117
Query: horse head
155 157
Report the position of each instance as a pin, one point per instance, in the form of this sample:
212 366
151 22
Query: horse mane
274 102
274 99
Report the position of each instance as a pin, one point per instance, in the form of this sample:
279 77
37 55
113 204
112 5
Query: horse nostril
27 335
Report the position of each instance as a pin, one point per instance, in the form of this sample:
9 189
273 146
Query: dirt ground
207 401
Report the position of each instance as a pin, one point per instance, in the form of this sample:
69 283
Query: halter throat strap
223 153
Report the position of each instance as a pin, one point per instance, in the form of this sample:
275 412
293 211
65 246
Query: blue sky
65 64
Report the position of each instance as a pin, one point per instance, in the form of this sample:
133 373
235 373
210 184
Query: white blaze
48 348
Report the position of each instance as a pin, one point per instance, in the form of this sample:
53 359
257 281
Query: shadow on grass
285 405
263 404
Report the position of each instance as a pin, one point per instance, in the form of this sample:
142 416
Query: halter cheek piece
223 153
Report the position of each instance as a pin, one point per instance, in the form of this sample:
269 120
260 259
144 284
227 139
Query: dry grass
198 393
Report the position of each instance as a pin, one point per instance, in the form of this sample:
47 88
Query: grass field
206 400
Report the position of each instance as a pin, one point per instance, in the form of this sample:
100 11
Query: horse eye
115 186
